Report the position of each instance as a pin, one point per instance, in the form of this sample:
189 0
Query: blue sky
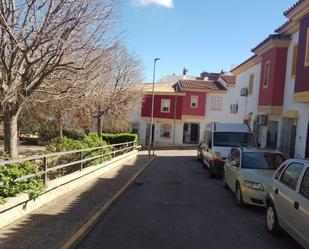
197 34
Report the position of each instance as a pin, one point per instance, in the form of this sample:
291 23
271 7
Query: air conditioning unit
234 108
262 119
244 92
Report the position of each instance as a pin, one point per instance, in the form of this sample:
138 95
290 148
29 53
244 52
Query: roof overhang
270 109
251 62
271 44
299 11
165 93
291 114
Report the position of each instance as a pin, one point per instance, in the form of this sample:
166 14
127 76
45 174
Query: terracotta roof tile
198 84
272 37
229 79
293 7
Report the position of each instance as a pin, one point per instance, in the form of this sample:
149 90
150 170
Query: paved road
175 205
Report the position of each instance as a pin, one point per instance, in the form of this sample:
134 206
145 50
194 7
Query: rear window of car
262 160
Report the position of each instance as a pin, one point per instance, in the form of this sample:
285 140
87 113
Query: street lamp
152 107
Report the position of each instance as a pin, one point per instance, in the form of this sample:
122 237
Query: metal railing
76 159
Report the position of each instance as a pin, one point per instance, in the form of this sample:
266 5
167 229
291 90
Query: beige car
248 173
288 201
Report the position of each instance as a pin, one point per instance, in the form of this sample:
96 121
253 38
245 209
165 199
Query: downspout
175 112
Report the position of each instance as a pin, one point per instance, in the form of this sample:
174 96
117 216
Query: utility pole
152 108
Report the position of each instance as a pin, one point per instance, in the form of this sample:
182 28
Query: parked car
248 173
218 140
288 201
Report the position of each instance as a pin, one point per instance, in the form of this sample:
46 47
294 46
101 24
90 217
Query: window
251 82
278 173
294 62
216 103
165 105
262 160
234 139
166 130
194 101
304 187
307 50
266 74
291 174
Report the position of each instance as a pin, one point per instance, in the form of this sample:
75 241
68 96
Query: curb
82 232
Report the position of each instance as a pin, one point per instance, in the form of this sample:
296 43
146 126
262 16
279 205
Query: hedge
119 138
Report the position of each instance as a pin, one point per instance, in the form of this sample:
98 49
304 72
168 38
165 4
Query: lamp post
152 107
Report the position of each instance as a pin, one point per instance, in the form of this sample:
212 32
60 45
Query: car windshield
233 139
262 160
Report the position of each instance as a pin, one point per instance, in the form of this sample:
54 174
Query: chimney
184 71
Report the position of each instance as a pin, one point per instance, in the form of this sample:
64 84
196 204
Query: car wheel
198 156
272 222
238 196
211 171
224 180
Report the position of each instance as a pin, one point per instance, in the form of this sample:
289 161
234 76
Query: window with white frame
165 105
194 101
166 131
216 103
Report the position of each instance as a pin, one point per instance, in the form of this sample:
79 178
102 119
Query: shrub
47 132
75 134
64 144
8 174
119 138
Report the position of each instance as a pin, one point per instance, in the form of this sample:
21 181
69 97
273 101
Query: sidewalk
50 226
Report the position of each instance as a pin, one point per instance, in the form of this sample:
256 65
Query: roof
272 37
295 5
229 79
245 62
283 26
158 87
201 84
231 127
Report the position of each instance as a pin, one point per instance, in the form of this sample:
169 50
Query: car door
284 190
227 169
233 168
300 213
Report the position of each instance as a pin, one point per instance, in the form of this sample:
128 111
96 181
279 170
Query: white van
218 140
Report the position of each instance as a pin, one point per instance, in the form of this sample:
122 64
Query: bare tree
39 38
113 94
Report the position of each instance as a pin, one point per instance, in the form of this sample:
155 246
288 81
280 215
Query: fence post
81 158
102 152
45 170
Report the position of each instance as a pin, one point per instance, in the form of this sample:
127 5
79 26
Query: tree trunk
60 127
11 132
99 128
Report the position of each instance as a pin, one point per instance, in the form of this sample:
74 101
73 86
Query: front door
194 133
272 134
288 136
307 143
191 133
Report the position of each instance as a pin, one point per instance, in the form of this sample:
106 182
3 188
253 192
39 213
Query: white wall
288 104
249 104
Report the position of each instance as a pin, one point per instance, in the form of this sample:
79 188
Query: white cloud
163 3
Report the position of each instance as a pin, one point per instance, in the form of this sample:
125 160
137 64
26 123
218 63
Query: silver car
248 173
288 201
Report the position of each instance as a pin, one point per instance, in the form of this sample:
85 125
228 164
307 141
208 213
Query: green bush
75 134
47 132
10 188
119 138
64 144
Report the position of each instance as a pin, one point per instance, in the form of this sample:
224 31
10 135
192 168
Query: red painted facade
302 72
272 95
182 105
200 109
